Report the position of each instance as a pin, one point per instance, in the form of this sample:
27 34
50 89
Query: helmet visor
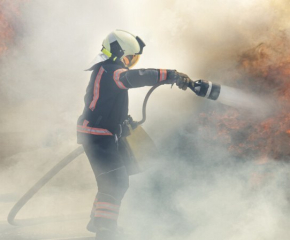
131 60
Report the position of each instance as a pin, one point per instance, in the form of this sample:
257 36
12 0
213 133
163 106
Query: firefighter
101 124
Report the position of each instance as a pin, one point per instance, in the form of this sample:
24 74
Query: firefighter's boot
108 234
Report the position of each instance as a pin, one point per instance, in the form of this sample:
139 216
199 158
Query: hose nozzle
205 89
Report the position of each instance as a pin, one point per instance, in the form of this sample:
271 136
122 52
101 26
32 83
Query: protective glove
172 76
182 81
133 123
127 125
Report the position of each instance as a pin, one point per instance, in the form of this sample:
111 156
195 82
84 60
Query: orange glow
265 71
9 13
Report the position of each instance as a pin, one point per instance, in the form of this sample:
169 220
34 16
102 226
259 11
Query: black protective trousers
105 157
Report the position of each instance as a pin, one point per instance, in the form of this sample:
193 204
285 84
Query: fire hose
201 88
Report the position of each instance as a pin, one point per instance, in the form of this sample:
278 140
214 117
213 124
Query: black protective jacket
106 99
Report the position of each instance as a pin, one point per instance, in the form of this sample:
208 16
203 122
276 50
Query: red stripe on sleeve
163 75
117 74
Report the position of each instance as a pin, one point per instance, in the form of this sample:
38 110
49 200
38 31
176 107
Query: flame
9 14
266 71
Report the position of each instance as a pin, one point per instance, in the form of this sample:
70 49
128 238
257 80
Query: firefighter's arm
143 77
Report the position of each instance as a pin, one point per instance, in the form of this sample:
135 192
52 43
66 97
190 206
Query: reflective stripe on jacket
106 99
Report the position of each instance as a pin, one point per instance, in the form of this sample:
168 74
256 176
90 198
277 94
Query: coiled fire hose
200 87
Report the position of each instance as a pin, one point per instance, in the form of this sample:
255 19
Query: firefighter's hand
133 123
182 81
172 76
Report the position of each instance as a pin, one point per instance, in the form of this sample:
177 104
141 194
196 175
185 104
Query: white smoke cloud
197 192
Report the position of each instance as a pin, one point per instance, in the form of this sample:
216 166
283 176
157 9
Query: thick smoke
198 189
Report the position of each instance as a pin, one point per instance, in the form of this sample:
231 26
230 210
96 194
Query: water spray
230 96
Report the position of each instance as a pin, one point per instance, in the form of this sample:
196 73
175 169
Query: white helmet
123 45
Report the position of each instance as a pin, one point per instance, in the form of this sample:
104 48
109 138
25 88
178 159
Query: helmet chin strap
126 61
